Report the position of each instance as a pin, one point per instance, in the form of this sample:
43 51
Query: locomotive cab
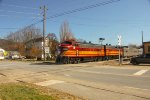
62 48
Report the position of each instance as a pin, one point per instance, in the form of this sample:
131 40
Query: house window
148 48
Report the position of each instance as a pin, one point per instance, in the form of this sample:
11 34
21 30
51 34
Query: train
75 52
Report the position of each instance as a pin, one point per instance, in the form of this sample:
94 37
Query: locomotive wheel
58 60
96 59
66 60
77 61
72 60
99 58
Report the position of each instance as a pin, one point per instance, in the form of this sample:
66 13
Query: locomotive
76 52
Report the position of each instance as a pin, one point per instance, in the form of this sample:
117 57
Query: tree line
16 41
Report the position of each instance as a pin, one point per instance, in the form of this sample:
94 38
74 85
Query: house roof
147 42
35 40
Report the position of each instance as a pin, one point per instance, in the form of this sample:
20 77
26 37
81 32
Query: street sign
46 49
46 42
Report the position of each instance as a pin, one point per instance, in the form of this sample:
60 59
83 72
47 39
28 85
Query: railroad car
74 52
129 52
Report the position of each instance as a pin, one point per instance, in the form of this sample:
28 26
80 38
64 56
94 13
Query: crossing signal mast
119 45
119 40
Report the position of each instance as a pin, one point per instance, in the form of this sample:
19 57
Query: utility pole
142 43
44 29
142 37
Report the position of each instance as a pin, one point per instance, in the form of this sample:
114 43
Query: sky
127 18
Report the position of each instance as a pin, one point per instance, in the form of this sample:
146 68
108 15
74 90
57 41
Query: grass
21 92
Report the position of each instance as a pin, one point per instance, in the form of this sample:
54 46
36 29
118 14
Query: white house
2 53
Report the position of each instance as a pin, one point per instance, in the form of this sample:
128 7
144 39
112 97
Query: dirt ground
115 63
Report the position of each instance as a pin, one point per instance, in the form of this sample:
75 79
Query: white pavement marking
50 82
46 74
67 75
136 88
7 65
140 72
93 72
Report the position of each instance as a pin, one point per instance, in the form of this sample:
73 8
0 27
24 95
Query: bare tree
17 40
53 43
24 34
65 32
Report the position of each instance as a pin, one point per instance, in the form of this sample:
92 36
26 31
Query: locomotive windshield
67 42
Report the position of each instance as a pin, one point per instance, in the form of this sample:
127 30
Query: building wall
37 43
146 47
1 54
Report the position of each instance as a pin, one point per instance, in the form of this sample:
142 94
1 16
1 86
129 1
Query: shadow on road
143 65
138 64
53 63
44 63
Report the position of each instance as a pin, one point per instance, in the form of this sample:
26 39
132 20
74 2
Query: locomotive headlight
65 49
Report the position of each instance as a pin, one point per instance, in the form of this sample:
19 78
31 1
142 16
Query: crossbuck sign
119 40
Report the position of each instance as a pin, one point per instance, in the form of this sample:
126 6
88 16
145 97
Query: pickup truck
143 59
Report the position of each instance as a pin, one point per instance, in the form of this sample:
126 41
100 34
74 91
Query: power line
71 11
17 6
77 10
80 9
20 16
83 8
37 22
79 24
18 12
34 23
36 17
26 26
9 28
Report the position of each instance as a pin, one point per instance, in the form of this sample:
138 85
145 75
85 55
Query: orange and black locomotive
75 52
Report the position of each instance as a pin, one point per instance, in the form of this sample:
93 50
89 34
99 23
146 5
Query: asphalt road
88 80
